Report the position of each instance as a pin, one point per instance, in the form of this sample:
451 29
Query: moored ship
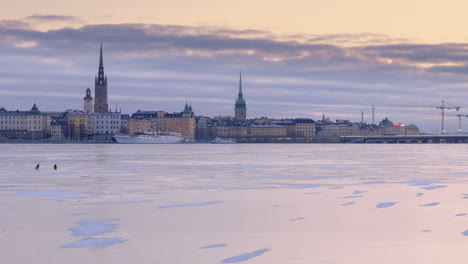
156 138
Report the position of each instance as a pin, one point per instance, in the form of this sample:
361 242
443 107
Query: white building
107 123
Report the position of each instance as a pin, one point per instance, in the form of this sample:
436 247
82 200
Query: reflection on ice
349 203
299 218
38 193
94 227
352 196
78 214
213 246
386 204
460 214
124 202
245 256
188 204
301 186
94 242
429 204
372 182
359 192
433 187
419 182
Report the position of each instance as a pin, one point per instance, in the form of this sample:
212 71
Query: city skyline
50 59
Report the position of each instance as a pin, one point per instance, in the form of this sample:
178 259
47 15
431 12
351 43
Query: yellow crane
441 107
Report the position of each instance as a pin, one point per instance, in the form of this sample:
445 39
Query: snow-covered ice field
248 203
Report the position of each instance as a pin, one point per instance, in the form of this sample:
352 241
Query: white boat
147 138
223 141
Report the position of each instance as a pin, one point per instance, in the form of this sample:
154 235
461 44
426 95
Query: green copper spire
186 109
240 102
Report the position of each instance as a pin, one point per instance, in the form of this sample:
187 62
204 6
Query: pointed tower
100 89
186 112
240 110
88 103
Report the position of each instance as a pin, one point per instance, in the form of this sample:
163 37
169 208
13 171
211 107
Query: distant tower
100 89
88 102
373 114
240 107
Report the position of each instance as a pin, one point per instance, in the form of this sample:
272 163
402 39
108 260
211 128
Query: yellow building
78 125
136 126
267 131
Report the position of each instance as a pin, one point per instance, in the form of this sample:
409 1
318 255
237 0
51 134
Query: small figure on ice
55 166
37 166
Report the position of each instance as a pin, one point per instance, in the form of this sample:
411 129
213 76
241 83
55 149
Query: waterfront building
100 89
338 130
395 130
88 103
304 127
138 126
160 121
266 131
201 127
223 118
104 125
240 109
147 114
412 130
77 125
14 124
230 130
59 129
289 124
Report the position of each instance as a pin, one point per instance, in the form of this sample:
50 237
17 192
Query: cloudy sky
299 58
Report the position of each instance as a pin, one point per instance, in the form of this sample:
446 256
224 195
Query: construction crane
442 108
459 121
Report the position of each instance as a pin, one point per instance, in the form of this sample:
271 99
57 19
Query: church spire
101 79
240 84
240 106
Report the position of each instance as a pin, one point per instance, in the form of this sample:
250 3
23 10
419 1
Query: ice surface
189 204
38 193
359 192
419 182
94 227
94 242
303 186
245 256
213 246
433 187
337 187
352 196
426 231
349 203
299 218
78 214
419 194
460 214
430 204
386 204
372 182
124 202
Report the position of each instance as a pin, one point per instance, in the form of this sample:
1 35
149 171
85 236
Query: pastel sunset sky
298 58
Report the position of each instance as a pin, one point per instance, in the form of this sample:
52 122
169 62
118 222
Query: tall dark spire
101 78
240 84
240 102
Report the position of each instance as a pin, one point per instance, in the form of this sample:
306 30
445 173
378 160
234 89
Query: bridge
419 139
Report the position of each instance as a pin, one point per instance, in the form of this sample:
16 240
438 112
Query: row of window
16 117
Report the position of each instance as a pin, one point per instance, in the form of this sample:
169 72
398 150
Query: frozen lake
247 203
